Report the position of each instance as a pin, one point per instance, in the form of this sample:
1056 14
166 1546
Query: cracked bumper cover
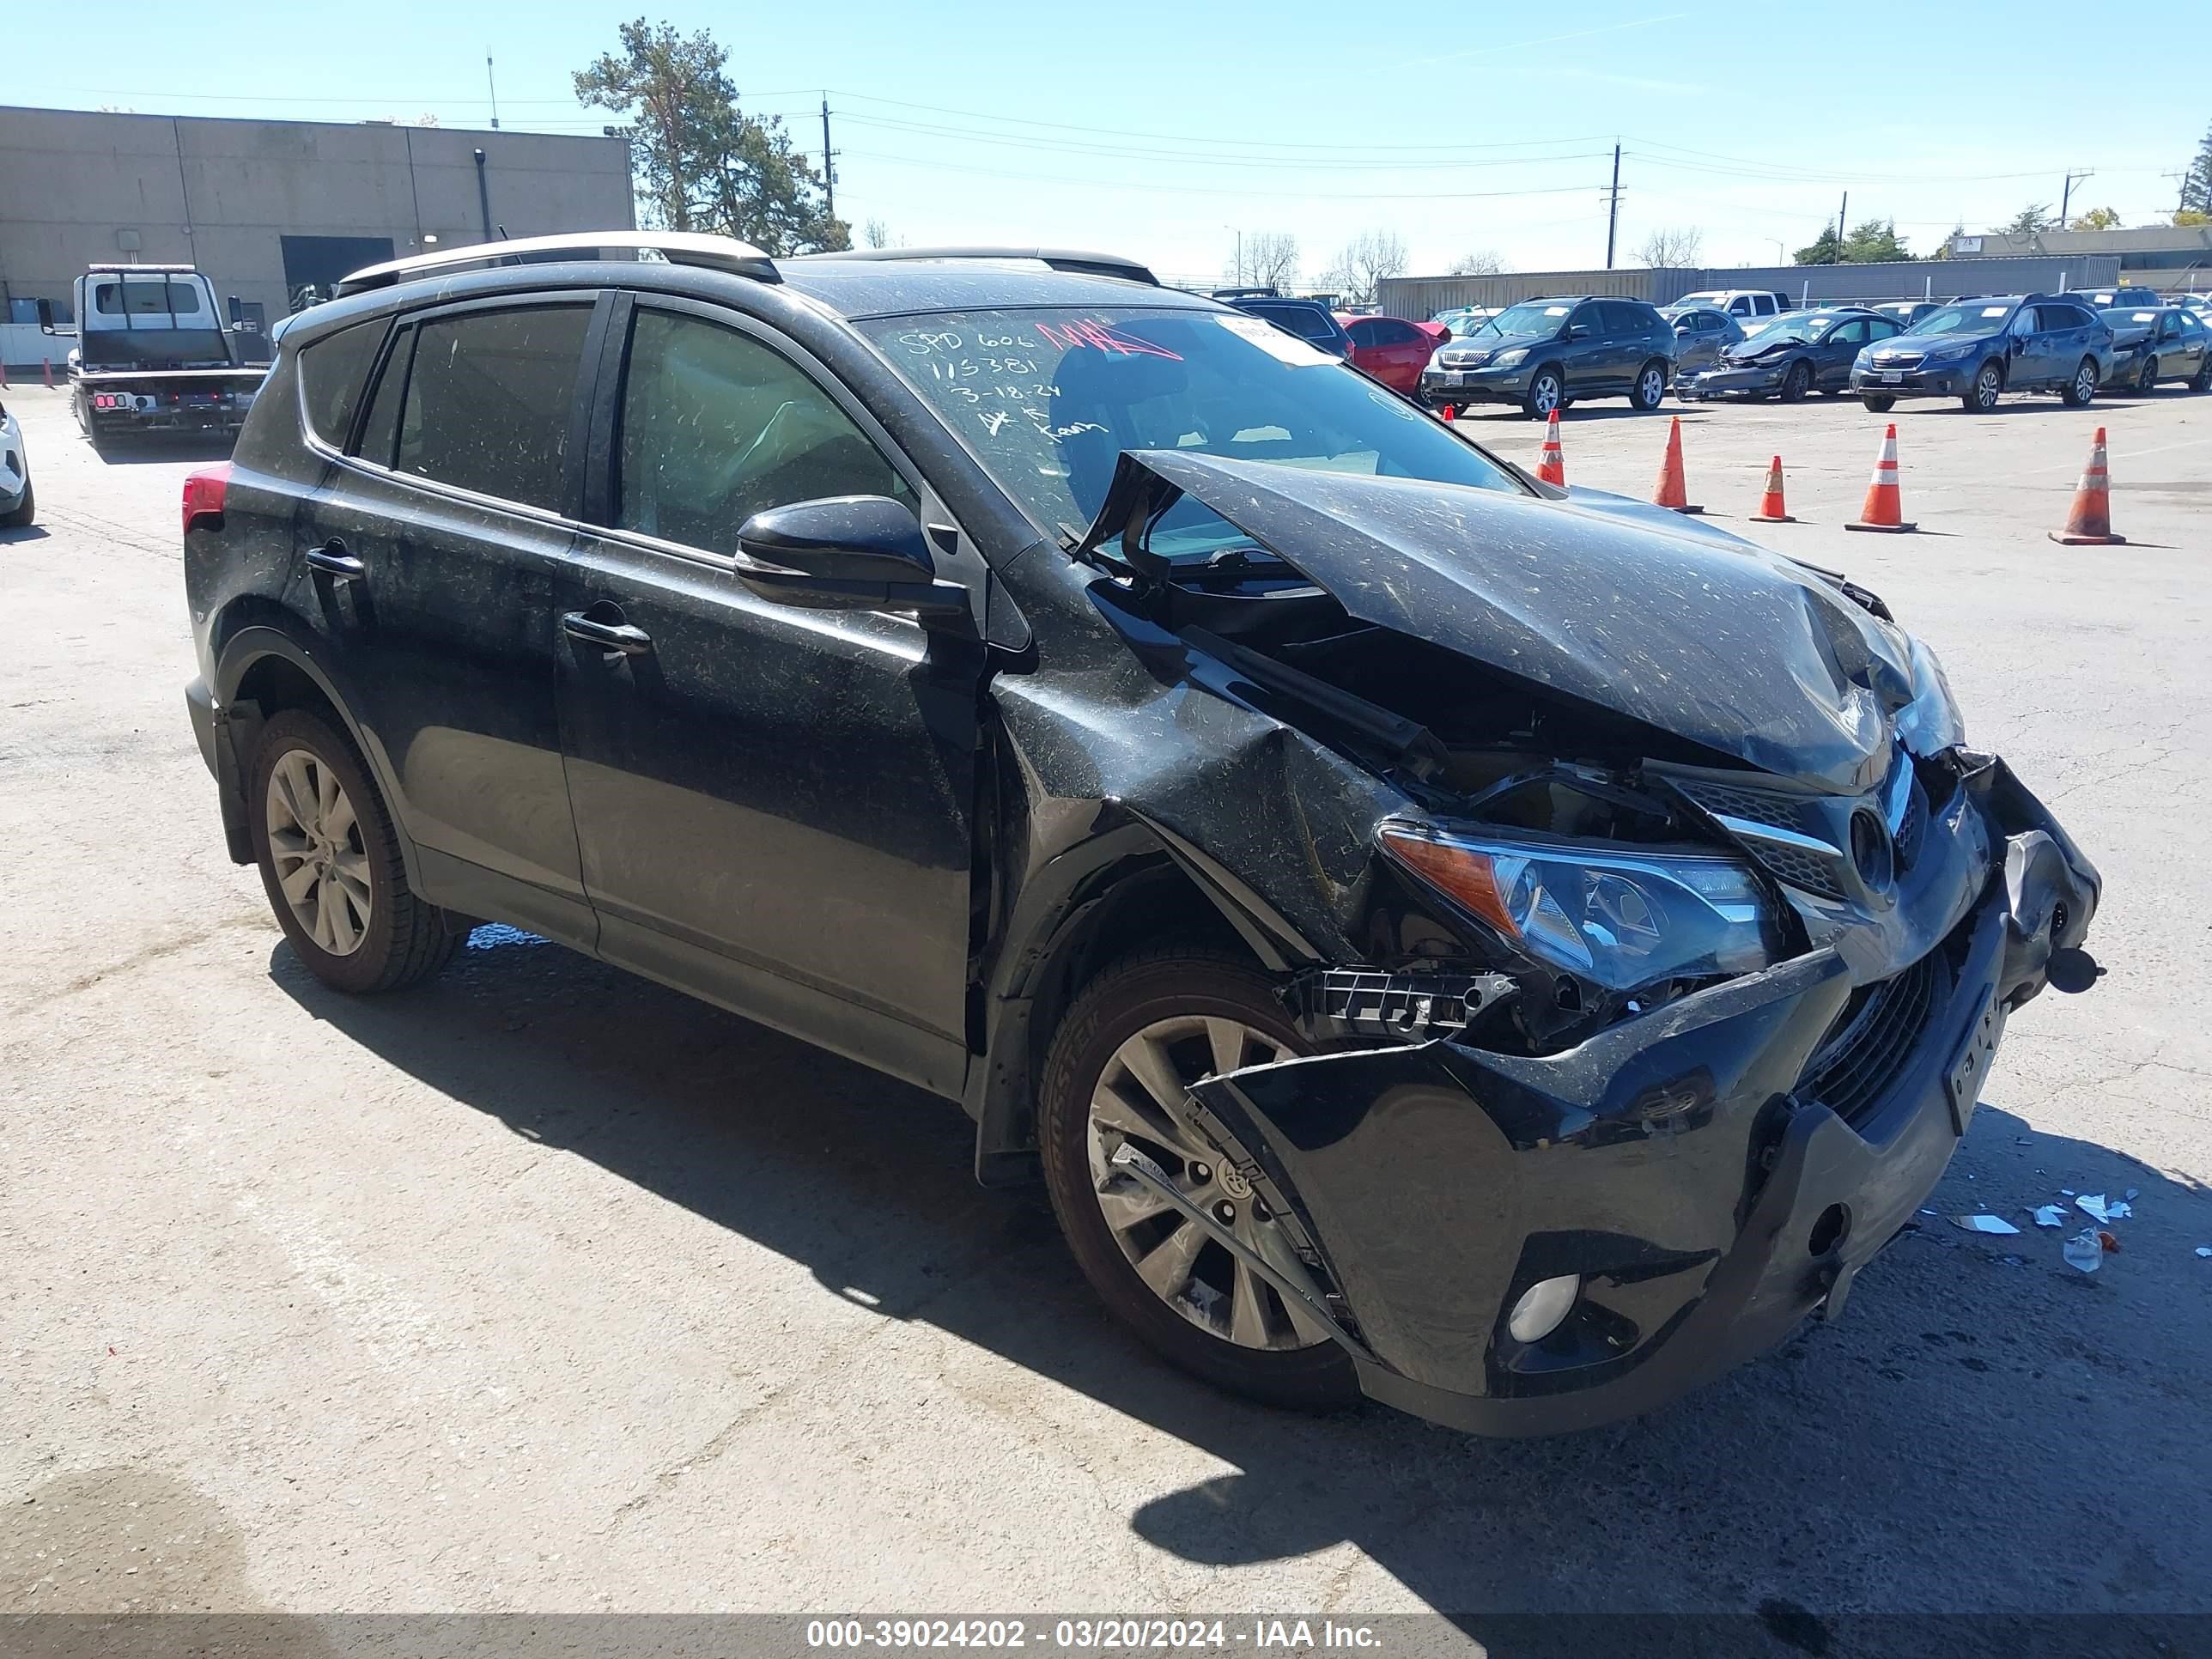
1676 1162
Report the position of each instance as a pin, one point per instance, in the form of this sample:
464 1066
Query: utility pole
1613 212
1842 214
829 165
2066 191
491 82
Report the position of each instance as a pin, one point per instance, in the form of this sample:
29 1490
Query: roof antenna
492 82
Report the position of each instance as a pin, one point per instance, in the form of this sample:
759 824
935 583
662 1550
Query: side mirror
46 316
1684 330
1577 332
844 553
1446 339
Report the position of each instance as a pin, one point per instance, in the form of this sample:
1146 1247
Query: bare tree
1270 259
877 234
1479 263
1671 249
1358 271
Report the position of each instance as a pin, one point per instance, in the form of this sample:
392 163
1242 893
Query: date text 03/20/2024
1076 1635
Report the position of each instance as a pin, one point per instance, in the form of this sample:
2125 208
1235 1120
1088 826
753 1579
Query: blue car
1975 350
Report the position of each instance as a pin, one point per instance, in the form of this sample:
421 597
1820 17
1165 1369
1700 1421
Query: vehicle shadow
154 448
1494 413
10 537
1976 1385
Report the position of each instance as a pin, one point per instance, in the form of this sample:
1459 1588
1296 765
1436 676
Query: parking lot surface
540 1287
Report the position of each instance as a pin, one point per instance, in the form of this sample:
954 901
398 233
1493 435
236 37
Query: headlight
1948 354
1931 722
1507 359
1620 919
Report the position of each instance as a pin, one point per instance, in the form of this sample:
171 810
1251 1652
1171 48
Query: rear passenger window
332 371
381 431
716 427
489 399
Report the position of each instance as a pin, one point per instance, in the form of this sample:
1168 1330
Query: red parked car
1393 350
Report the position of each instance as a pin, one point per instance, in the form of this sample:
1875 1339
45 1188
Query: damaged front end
1687 930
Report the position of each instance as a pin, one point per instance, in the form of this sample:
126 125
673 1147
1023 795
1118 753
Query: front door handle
617 636
334 562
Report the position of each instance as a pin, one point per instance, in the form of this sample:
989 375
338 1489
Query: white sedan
18 506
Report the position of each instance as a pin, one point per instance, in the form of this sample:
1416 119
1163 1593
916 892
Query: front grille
1906 833
1873 1039
1794 864
1901 360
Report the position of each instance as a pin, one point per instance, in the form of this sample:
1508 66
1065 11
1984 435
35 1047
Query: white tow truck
153 353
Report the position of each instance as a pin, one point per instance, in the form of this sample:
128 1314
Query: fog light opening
1542 1306
1834 1227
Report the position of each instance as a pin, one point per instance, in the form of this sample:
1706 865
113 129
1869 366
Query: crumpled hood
1728 646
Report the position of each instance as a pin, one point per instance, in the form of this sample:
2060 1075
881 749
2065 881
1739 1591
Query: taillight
203 493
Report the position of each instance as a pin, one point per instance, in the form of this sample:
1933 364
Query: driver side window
716 427
2024 322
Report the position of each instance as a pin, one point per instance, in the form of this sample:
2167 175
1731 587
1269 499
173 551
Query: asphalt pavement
542 1288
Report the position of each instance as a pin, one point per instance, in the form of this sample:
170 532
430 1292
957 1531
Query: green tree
1827 249
1873 241
1944 250
702 164
2192 216
2101 218
2036 215
2196 183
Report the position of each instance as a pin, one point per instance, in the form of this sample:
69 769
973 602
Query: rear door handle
607 635
334 562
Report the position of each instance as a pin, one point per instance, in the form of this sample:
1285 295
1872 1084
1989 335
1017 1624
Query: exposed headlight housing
1616 918
1508 359
1931 722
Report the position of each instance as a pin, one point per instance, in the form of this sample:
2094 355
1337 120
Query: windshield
1048 400
1977 316
1532 317
1798 327
1706 297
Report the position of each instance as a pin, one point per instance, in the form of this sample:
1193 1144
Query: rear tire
2201 380
1137 995
1878 403
1650 386
2146 379
2081 390
331 862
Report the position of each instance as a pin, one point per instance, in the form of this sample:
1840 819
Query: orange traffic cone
1552 462
1672 490
2090 523
1770 509
1450 413
1883 509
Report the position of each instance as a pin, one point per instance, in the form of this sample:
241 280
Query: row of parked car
1754 344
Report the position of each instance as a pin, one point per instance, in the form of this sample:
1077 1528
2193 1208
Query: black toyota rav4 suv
1505 950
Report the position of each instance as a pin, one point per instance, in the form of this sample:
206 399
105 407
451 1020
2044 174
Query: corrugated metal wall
1422 297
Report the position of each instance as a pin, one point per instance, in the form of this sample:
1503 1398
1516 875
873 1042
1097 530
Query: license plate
1970 1068
1893 377
1455 377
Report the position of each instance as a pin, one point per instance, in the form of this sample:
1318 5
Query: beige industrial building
268 208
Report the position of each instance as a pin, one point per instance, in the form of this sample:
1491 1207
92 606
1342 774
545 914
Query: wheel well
276 683
1136 903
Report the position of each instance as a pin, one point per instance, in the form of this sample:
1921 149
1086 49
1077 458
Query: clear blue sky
1161 129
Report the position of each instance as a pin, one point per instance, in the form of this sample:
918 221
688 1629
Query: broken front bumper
1683 1164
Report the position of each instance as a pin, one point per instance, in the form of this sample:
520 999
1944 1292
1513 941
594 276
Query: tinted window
488 400
1618 319
1851 333
1366 334
715 427
1763 305
2026 321
1741 305
1307 322
1389 332
381 431
146 299
332 371
1881 328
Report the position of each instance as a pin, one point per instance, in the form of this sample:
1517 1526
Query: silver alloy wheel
1139 1097
1986 387
2147 381
2085 383
1653 387
315 844
1544 394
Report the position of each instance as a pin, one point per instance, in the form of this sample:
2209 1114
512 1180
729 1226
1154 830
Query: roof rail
1072 260
678 247
126 270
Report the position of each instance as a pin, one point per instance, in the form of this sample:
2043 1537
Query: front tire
1981 396
1546 394
1797 383
1877 403
2082 388
329 861
1117 1070
1650 386
24 511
